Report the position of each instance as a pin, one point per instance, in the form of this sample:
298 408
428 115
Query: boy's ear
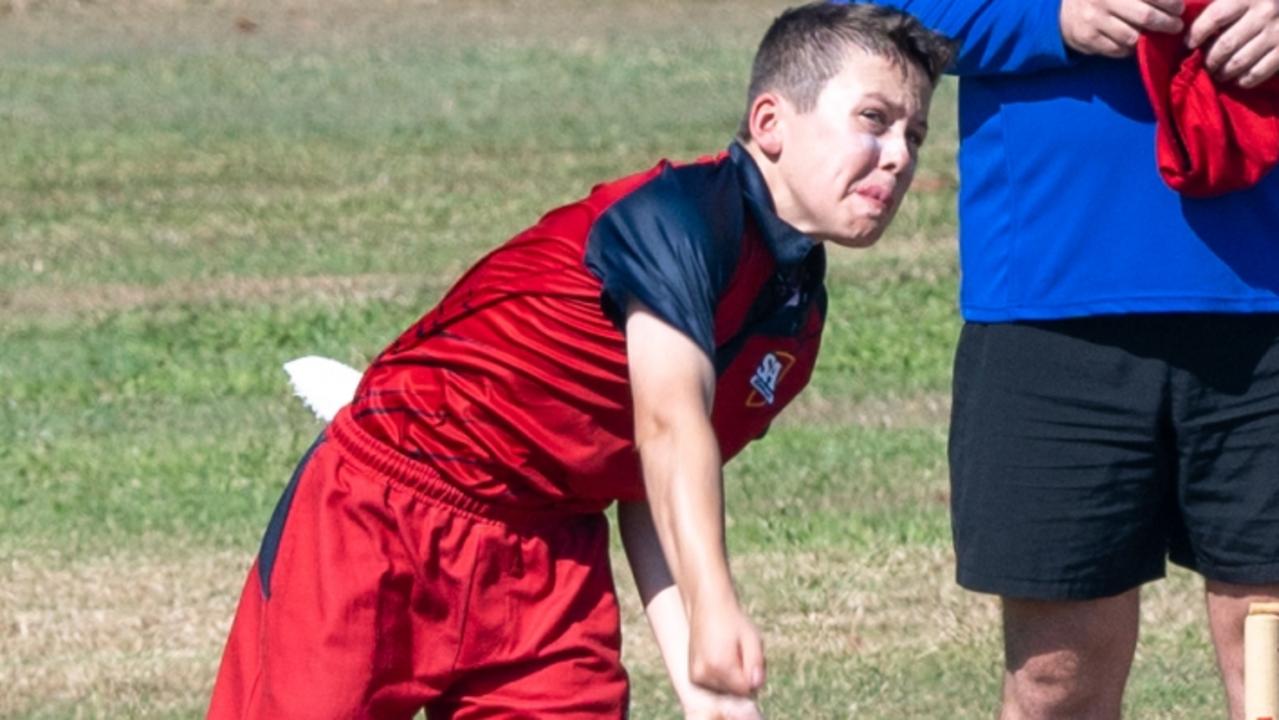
766 117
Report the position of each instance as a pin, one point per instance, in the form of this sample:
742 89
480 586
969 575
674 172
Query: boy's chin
855 241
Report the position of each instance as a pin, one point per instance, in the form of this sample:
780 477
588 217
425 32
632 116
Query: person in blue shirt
1116 389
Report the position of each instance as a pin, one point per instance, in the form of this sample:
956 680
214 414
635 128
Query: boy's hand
667 616
1111 27
706 705
1242 39
725 652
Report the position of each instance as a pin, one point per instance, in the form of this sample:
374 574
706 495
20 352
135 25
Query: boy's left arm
665 612
672 386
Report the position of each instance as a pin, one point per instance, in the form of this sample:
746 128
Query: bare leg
1227 607
1068 659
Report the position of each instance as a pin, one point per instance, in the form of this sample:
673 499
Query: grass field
193 192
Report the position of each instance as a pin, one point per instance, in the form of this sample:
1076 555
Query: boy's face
844 165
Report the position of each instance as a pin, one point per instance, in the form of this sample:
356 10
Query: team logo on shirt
772 368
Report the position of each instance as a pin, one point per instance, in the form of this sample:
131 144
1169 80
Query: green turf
184 206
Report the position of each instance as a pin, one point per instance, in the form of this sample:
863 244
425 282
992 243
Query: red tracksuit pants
381 590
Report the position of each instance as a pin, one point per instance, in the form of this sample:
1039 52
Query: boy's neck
783 200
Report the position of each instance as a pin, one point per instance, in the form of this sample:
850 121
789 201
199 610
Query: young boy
443 543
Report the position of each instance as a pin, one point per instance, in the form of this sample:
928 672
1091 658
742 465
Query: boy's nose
895 154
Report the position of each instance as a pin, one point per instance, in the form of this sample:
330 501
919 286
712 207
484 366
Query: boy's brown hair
807 45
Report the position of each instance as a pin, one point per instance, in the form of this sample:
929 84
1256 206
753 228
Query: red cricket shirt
515 386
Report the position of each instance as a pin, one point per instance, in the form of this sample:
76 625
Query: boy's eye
915 138
877 117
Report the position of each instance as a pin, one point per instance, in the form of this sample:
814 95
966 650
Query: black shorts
1085 452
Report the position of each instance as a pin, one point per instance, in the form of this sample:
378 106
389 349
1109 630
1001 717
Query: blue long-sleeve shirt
1062 211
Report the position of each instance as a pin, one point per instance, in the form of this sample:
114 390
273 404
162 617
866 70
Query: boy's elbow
653 431
668 423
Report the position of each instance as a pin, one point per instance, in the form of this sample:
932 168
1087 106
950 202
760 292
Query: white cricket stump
1261 662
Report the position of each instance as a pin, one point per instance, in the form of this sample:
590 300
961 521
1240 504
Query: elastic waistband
426 481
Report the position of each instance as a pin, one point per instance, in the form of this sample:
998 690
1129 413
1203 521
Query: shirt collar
788 245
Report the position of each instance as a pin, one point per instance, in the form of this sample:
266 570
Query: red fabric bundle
1210 139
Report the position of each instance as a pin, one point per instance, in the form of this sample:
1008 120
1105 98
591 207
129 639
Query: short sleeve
671 245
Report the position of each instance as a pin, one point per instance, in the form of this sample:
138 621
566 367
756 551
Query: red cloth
1211 139
381 590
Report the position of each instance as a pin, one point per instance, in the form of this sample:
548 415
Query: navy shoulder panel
673 245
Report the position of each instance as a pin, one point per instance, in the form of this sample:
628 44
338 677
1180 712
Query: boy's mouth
880 197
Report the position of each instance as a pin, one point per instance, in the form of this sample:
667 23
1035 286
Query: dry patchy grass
50 302
127 630
581 24
142 631
929 410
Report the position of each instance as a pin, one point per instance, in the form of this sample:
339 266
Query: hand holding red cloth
1209 139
